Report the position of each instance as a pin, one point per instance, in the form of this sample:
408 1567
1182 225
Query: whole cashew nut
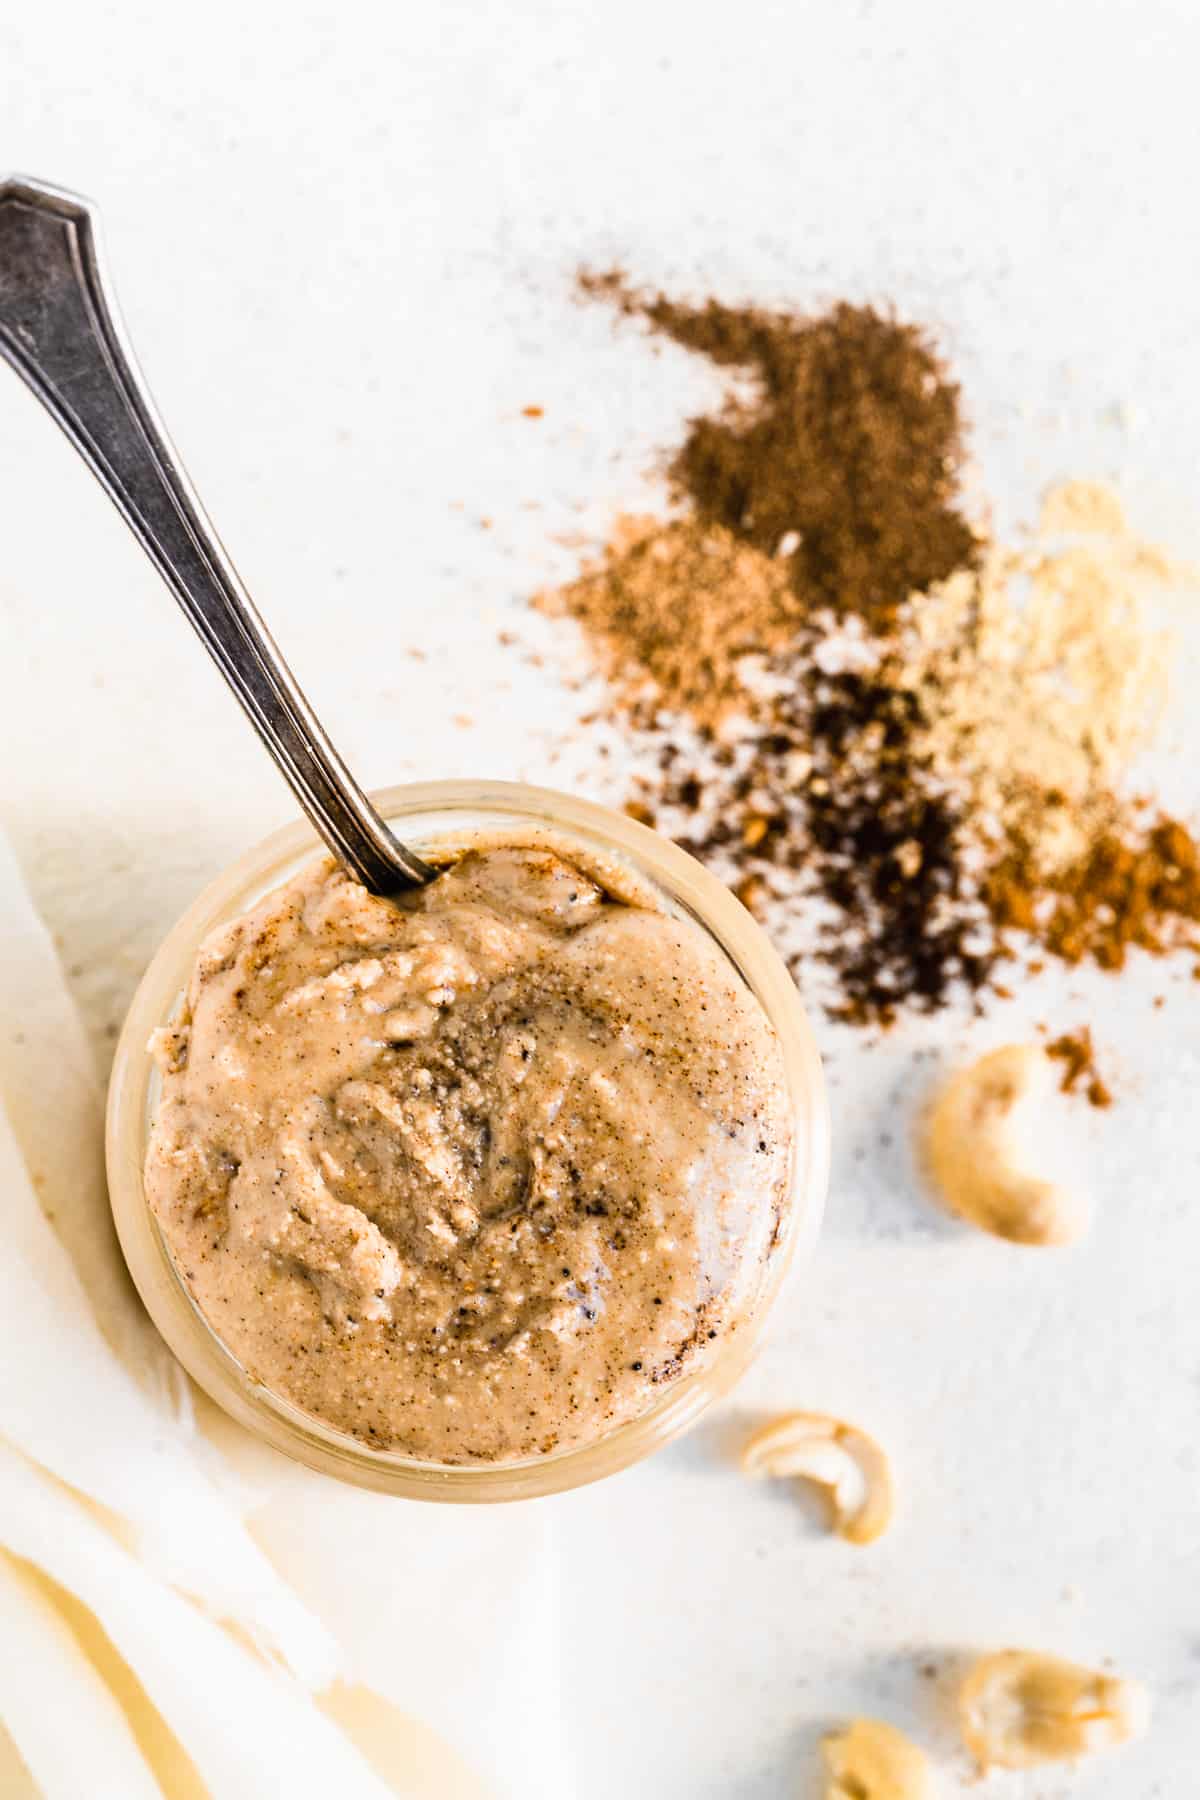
844 1461
1019 1708
871 1760
976 1151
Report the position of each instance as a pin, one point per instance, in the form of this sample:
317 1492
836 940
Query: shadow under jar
444 821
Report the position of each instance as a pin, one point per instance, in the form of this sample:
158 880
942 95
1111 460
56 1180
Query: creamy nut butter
475 1174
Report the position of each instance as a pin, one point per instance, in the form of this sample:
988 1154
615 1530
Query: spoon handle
60 331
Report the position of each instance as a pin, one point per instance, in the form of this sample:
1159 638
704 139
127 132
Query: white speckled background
344 240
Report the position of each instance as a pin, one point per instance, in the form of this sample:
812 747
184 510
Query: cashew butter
476 1174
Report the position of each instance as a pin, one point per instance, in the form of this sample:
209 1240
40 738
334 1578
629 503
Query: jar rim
428 814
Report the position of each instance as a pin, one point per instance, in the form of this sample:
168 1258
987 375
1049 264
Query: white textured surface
344 246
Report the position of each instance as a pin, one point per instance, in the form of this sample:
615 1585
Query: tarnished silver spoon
60 330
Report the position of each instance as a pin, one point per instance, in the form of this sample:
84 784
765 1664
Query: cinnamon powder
1077 1053
1136 886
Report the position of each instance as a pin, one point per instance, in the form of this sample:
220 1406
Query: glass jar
428 816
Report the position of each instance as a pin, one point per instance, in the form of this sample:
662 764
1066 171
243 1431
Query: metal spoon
60 330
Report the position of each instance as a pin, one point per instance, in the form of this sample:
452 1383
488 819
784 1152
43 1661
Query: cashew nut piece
977 1153
848 1464
1018 1708
870 1760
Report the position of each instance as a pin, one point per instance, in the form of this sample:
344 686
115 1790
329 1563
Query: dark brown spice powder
828 798
847 461
888 857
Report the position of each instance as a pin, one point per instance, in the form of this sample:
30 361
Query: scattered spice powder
846 461
1076 1052
827 496
1044 671
1135 886
889 857
673 610
902 747
822 814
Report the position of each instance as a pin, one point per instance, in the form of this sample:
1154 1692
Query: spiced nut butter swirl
476 1174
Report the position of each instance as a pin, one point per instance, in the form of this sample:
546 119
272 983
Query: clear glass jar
426 816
